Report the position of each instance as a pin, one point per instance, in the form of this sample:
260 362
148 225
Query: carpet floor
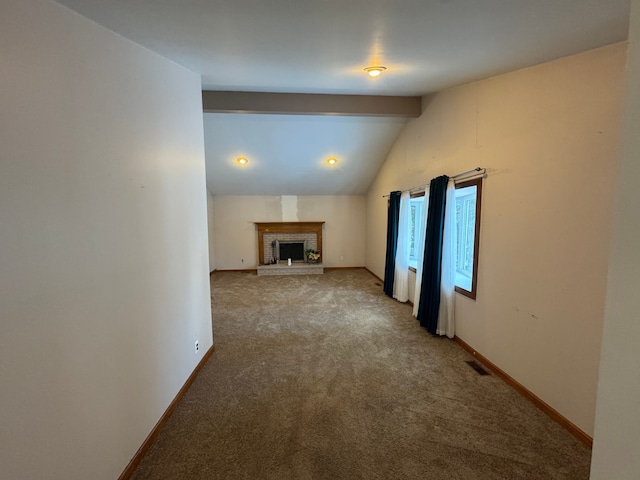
324 377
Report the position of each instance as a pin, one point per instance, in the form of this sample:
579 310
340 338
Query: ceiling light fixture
375 71
332 161
242 161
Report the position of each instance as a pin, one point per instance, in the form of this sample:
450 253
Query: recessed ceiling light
375 71
242 161
332 161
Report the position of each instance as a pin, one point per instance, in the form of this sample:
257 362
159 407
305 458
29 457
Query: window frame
412 196
477 182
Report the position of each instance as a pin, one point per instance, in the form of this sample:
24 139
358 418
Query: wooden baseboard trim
137 458
526 393
376 276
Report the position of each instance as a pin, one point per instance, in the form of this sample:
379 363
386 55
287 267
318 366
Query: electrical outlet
341 257
197 346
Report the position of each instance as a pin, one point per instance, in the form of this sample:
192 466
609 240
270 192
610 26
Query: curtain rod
475 171
478 171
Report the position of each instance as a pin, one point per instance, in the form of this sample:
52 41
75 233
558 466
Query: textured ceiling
321 46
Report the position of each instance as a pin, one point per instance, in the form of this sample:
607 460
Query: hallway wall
617 440
103 246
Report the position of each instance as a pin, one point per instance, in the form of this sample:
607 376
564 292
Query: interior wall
103 272
617 432
211 230
548 136
236 238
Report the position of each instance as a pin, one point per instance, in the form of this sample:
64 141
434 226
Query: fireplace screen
290 249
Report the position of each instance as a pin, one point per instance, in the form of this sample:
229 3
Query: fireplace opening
293 249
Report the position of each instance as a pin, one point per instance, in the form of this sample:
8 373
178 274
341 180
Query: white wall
211 229
103 245
617 432
548 136
236 239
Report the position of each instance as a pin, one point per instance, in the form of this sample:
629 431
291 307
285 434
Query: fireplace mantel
287 227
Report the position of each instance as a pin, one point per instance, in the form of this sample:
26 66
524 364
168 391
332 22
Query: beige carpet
324 377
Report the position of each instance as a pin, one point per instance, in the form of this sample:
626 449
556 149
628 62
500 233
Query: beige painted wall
211 230
548 136
617 433
103 242
235 236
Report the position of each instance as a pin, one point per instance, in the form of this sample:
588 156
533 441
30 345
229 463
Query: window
468 197
415 227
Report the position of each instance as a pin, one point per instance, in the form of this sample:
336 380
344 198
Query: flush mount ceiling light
332 161
375 71
242 161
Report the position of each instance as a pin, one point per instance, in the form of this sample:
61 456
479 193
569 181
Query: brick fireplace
309 233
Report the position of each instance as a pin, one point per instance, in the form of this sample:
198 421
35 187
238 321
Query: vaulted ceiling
322 46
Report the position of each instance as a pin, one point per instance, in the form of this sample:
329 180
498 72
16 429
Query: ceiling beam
214 101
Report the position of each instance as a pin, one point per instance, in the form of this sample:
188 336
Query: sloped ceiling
322 46
287 153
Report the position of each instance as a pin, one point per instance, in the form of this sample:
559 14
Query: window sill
467 293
